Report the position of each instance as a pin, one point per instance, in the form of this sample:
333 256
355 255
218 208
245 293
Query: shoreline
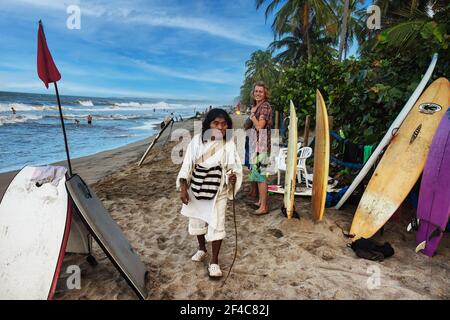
110 160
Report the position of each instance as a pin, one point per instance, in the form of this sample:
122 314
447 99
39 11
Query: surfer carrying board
210 169
261 118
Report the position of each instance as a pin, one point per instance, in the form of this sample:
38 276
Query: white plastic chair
304 153
281 163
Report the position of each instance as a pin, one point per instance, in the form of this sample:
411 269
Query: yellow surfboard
291 163
321 159
403 161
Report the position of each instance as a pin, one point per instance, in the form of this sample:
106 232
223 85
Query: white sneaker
199 256
214 270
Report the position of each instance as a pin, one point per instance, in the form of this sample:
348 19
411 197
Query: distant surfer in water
13 110
211 170
89 119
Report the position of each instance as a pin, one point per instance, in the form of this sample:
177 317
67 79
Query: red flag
46 68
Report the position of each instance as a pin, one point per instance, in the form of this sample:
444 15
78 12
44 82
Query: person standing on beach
261 124
211 174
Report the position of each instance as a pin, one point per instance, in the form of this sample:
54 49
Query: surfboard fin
413 225
421 246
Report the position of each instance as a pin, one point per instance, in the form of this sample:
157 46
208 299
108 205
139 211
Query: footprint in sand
276 233
161 240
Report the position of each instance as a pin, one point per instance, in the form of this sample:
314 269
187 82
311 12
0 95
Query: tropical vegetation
365 75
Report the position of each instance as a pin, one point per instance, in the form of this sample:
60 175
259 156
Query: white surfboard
34 229
389 134
80 240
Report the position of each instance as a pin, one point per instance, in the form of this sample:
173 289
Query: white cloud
210 76
154 17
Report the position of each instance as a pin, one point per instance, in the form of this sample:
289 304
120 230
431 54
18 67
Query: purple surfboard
434 199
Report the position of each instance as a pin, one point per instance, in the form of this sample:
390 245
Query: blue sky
155 48
164 49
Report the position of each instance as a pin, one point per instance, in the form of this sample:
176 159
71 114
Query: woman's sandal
260 213
253 205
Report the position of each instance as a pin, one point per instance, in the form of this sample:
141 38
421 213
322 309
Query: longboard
170 122
108 234
34 229
291 164
434 198
321 159
388 136
402 163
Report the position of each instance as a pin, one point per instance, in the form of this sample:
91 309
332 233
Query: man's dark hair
213 114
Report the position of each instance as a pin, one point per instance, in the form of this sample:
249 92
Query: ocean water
33 136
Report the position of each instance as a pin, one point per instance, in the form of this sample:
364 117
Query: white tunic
227 157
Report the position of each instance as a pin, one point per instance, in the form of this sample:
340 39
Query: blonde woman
211 170
261 124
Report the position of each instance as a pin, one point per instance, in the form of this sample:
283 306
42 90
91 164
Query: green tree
300 14
260 67
351 26
414 26
291 47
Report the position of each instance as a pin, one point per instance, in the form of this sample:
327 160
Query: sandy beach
277 258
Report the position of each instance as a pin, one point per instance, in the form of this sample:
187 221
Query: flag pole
64 129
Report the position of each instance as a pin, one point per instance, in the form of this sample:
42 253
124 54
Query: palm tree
352 26
295 47
417 20
343 36
261 66
300 13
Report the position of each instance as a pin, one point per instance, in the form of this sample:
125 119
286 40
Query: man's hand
232 179
184 195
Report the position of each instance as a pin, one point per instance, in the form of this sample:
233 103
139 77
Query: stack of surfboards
403 163
389 134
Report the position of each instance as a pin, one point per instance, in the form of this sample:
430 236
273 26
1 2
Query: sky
154 48
169 49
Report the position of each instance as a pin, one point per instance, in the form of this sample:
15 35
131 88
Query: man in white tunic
210 174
